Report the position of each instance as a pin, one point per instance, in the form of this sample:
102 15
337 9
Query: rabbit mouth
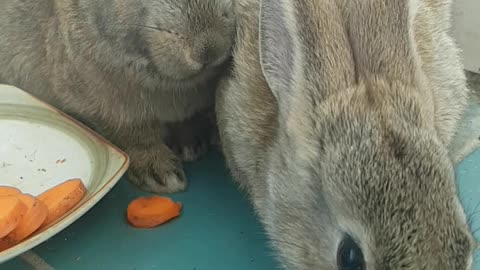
182 78
196 73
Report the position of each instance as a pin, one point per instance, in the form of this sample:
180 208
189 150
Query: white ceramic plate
41 147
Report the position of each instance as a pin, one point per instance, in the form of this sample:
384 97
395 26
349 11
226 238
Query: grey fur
340 124
136 71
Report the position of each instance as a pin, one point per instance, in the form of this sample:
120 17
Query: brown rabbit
336 121
140 72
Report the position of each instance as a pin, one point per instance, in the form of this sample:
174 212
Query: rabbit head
176 41
358 178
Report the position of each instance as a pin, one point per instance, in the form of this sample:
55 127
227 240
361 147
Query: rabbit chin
193 72
155 78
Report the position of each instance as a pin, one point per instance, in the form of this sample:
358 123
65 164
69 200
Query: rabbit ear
382 35
279 50
303 43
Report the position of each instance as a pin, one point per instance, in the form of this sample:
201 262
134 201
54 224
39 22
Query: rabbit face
188 37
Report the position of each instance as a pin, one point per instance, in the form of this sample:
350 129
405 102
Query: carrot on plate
12 210
152 211
36 215
61 199
6 191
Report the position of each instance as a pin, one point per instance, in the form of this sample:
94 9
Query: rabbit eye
349 255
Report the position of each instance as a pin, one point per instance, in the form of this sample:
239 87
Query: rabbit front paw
157 170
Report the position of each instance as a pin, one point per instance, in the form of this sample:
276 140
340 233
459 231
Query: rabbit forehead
385 182
399 207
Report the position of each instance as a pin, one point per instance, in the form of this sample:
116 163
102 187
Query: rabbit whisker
288 243
155 28
147 26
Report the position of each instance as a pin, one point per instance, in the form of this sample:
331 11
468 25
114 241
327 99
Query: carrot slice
12 210
149 212
36 215
61 199
8 191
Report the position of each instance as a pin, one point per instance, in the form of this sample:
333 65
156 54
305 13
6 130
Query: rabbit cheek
171 56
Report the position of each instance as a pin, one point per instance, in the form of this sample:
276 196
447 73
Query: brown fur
140 72
336 120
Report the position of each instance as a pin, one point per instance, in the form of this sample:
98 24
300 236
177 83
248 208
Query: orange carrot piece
61 199
9 191
152 211
36 215
12 210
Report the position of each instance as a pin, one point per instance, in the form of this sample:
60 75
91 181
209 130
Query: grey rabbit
335 119
142 73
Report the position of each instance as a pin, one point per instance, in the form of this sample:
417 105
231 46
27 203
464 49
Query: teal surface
217 230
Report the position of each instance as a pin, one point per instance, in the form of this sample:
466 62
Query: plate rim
88 204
